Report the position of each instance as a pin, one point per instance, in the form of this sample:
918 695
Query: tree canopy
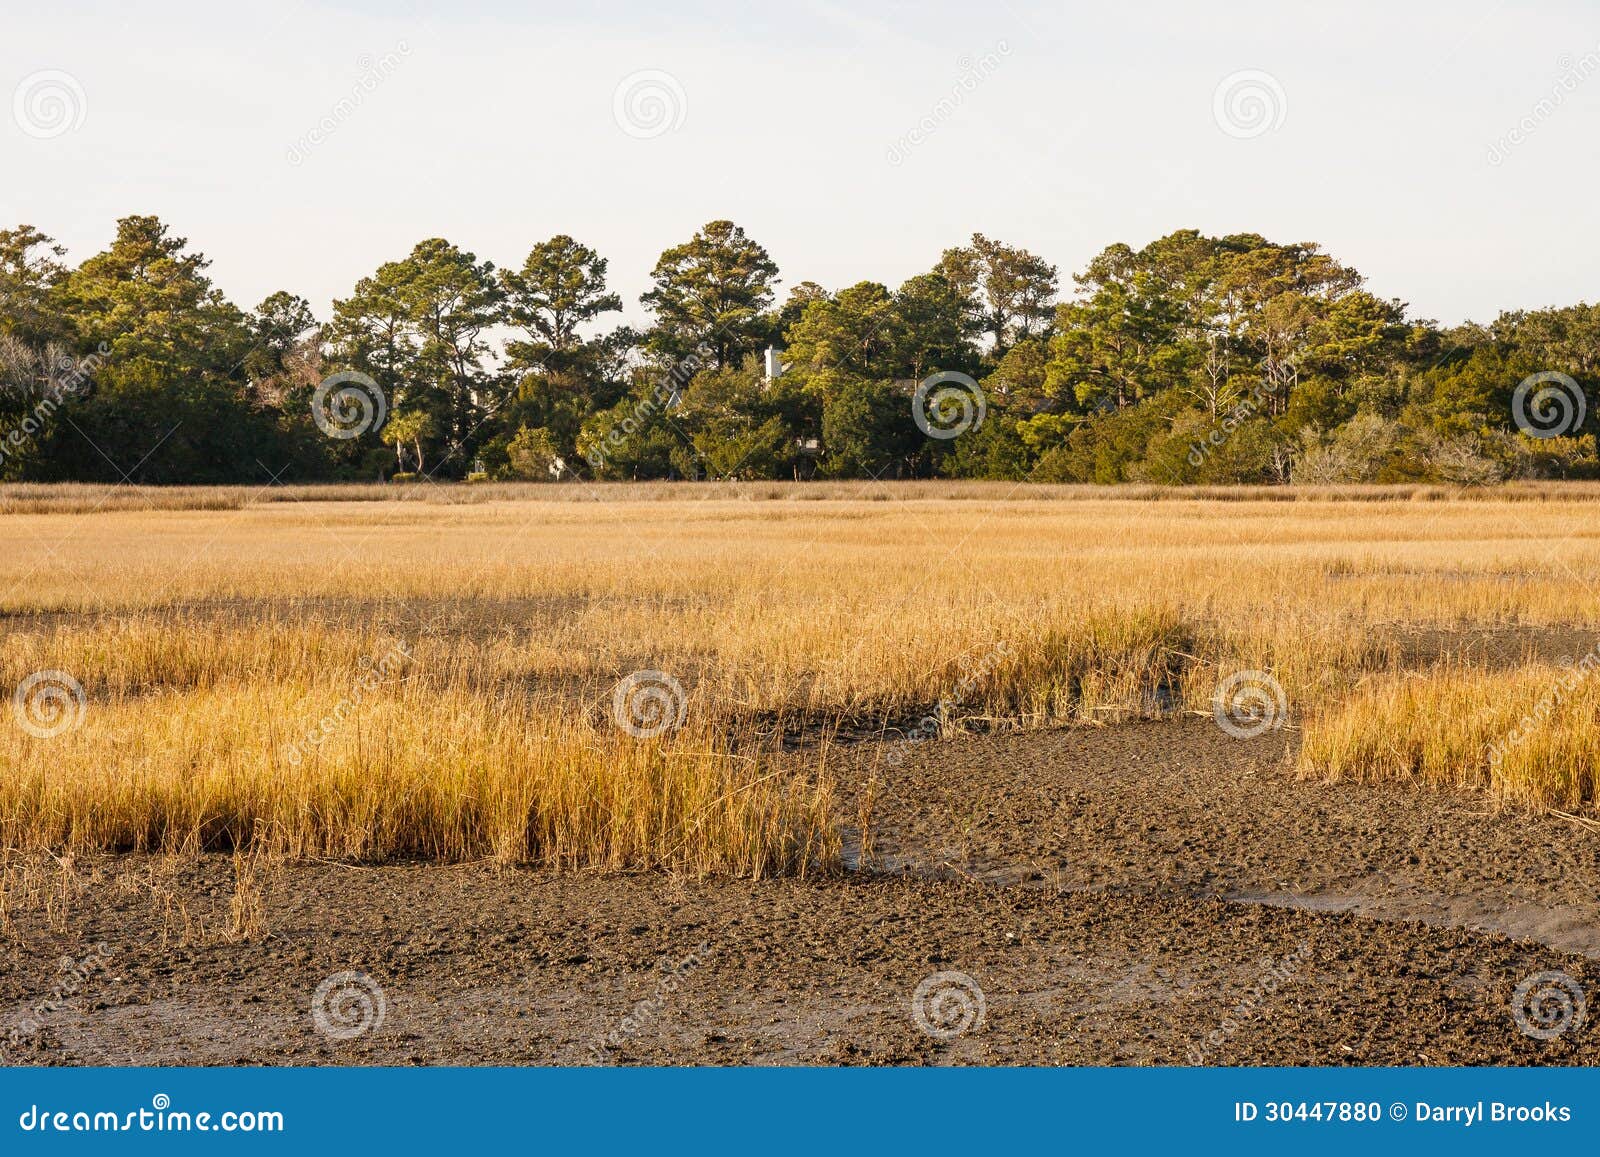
1191 359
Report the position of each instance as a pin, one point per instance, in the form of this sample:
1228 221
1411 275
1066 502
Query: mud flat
1145 894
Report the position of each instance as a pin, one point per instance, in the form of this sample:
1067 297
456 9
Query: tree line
1194 359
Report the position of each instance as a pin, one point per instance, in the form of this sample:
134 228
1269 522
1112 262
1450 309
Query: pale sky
853 140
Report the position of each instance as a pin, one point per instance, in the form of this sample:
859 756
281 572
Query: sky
1449 151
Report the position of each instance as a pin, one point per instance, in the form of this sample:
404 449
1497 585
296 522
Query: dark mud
1149 894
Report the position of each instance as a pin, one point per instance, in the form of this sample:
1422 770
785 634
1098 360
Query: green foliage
532 455
410 432
161 390
739 428
711 294
418 327
867 430
561 287
277 328
1104 449
1006 293
851 333
995 449
31 275
637 438
867 332
1195 359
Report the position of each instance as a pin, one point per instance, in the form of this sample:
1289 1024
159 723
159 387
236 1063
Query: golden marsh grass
206 632
408 772
1530 736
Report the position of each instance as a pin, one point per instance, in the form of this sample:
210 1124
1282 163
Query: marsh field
912 773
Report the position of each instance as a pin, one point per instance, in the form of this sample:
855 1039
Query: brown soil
1185 809
1148 894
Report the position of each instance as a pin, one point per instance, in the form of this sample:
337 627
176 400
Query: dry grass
406 772
83 498
1530 737
206 635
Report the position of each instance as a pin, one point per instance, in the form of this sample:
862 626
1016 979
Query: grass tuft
1529 737
416 773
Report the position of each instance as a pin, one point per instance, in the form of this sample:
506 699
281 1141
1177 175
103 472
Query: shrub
532 456
1356 452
